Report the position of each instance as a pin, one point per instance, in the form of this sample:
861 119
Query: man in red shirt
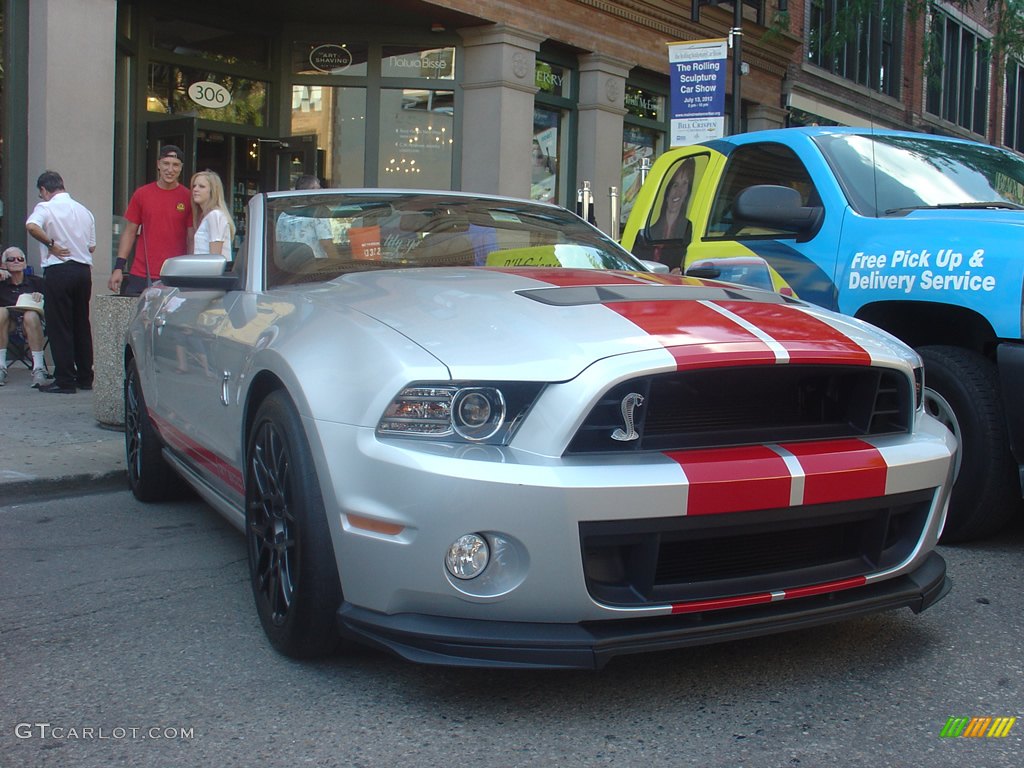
159 216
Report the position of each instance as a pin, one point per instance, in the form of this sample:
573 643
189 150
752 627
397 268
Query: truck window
886 175
767 163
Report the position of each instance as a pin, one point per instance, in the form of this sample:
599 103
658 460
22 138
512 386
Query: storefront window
186 38
337 116
553 80
415 61
208 95
544 163
637 144
643 137
329 58
553 124
416 138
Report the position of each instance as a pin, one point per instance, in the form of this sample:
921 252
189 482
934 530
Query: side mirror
199 273
778 207
655 266
743 270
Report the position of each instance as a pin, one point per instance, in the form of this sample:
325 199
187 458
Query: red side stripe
840 469
211 462
793 330
734 479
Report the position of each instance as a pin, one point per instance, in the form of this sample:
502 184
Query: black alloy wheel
149 476
292 569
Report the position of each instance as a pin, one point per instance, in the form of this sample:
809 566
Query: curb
51 487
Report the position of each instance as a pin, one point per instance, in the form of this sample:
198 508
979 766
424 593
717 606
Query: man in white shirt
315 232
67 231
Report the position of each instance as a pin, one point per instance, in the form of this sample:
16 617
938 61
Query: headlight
469 412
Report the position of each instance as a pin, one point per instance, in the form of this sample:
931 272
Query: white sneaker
3 375
39 377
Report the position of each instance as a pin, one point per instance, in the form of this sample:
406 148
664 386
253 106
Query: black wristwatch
50 244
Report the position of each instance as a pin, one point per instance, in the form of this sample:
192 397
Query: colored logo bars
977 727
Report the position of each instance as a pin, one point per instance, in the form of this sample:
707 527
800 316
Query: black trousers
68 291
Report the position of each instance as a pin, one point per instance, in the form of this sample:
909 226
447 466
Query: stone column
497 114
71 59
599 146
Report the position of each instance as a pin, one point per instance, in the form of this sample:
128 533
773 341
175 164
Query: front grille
664 560
749 405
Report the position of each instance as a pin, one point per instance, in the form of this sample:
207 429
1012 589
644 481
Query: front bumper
590 645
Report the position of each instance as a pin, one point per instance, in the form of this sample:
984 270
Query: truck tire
962 391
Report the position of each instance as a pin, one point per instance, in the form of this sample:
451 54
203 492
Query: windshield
323 234
885 175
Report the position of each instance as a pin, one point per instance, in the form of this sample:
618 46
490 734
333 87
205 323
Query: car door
191 371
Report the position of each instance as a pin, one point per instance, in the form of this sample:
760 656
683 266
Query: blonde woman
214 227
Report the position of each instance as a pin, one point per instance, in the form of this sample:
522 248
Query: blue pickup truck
918 234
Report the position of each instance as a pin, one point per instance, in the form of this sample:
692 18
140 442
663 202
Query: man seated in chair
25 319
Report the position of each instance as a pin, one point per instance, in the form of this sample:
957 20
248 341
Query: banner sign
697 70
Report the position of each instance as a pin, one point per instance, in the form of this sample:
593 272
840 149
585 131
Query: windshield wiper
1000 204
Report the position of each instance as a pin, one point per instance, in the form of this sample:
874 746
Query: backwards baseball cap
169 150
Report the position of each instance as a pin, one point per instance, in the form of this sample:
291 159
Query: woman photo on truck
669 235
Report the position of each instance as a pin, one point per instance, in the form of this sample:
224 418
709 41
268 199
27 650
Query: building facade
524 99
528 99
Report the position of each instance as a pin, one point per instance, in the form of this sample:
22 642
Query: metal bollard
613 195
584 200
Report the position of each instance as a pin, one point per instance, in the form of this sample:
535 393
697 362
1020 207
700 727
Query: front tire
962 391
292 568
149 475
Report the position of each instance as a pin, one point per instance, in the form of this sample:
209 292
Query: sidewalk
55 445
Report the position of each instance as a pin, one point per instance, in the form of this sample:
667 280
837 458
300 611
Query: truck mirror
778 207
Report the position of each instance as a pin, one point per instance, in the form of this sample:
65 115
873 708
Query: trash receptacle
111 315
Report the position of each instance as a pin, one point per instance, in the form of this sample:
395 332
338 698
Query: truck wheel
962 391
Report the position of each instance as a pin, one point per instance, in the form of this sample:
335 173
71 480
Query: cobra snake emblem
630 402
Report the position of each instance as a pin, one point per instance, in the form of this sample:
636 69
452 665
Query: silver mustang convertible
476 431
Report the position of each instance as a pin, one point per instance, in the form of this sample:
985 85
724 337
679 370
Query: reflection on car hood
550 324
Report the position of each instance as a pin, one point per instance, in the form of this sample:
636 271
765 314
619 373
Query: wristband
120 264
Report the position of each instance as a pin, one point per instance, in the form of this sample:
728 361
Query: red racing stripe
694 334
722 604
734 479
836 470
805 337
213 463
822 589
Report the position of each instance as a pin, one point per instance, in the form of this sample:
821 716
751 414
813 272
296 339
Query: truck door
795 262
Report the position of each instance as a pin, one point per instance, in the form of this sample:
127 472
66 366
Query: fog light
467 556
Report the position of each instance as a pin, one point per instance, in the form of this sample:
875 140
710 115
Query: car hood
550 324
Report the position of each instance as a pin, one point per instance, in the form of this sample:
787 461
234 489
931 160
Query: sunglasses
13 258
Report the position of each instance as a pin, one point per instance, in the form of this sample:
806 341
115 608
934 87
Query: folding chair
18 350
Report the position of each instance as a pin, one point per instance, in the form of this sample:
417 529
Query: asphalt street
122 618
